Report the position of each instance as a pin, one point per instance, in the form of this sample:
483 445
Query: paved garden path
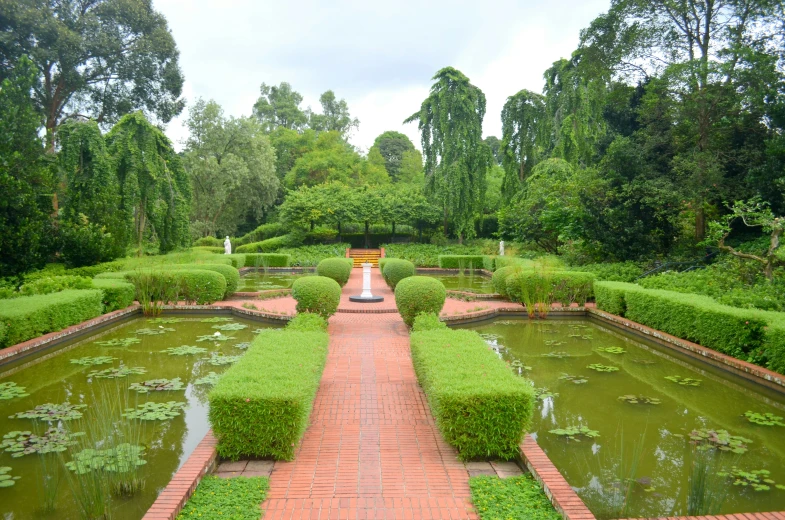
372 449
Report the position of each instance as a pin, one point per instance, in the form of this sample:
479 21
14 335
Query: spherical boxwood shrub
396 270
417 294
499 279
317 294
307 322
339 269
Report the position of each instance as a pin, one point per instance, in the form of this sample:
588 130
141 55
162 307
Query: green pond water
653 437
53 378
476 283
261 281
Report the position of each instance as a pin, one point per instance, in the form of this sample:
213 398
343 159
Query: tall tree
231 164
495 145
392 146
335 116
456 158
525 134
155 193
279 107
99 59
25 180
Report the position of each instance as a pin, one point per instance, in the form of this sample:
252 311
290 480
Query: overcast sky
379 56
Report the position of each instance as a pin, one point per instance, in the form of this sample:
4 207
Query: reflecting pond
628 423
467 281
76 373
255 281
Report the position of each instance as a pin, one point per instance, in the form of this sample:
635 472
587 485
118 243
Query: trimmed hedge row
565 287
209 242
499 278
339 269
260 406
307 322
507 261
463 262
209 249
396 270
480 406
238 260
269 245
419 294
230 274
117 294
200 286
266 260
28 317
317 294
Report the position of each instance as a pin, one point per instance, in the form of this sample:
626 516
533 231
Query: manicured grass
511 498
237 498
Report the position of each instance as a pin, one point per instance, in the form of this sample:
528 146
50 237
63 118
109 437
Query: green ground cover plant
394 270
260 406
339 269
317 294
480 406
519 497
310 256
237 498
417 294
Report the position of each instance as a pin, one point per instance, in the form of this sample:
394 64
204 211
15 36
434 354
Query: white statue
501 248
227 246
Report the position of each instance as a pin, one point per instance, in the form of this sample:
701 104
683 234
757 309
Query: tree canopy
279 107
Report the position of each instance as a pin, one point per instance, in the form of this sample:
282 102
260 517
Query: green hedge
317 294
117 294
260 406
480 406
261 233
230 274
499 278
418 294
238 260
53 284
507 261
462 261
209 242
93 270
269 245
396 270
609 296
209 249
339 269
310 256
427 321
565 287
307 322
774 344
199 286
267 259
28 317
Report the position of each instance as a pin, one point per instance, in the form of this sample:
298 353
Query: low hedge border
499 279
419 294
209 249
117 294
269 245
464 262
200 286
28 317
396 270
260 406
339 269
565 287
266 260
480 406
317 294
230 274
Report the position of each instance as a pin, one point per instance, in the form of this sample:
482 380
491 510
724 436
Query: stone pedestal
366 296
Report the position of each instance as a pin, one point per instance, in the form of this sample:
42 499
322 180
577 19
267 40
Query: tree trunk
367 238
393 232
460 238
700 223
768 271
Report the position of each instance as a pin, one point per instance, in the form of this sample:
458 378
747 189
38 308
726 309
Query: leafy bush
267 260
209 249
28 317
774 343
609 296
480 406
307 322
260 406
230 274
499 278
200 286
512 497
427 321
396 270
117 294
418 294
209 242
310 256
565 287
269 245
55 284
317 294
238 260
427 255
507 261
339 269
238 498
320 235
461 261
612 272
261 233
93 270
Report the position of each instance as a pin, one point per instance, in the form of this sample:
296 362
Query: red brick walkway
372 449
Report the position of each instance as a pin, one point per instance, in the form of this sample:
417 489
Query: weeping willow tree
525 132
154 191
456 158
90 225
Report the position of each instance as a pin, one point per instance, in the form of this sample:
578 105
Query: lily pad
209 379
120 459
757 480
243 346
578 380
213 337
557 355
166 321
10 390
154 332
151 411
543 393
519 367
217 319
573 432
21 443
644 361
7 480
115 373
184 350
157 385
612 350
52 412
231 326
720 440
221 359
92 361
684 381
602 368
119 342
639 399
554 343
764 419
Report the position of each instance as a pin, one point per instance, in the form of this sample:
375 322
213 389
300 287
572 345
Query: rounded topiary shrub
317 294
417 294
499 279
339 269
396 270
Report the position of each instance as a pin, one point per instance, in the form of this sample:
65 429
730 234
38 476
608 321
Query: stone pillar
366 282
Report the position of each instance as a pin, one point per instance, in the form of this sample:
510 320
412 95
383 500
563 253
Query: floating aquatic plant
758 479
53 440
7 480
259 331
216 319
572 432
221 359
210 379
764 419
644 361
157 385
155 411
154 332
581 336
119 342
612 350
684 381
52 412
638 399
519 367
721 440
487 336
578 380
184 350
554 343
577 326
543 393
213 337
557 355
602 368
91 361
166 321
10 390
242 346
120 459
231 326
544 331
115 373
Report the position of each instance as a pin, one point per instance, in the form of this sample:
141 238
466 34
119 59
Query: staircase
362 256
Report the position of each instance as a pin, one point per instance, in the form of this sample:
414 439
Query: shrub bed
198 286
230 274
538 286
307 322
209 249
117 294
513 497
260 406
237 259
507 261
28 317
339 269
499 278
53 284
266 260
261 233
269 245
317 294
310 256
236 498
609 296
427 255
613 272
209 242
419 294
462 261
480 406
396 270
427 321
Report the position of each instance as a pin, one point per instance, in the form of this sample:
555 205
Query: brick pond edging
172 499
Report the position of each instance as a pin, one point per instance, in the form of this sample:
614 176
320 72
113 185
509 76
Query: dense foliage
394 270
497 498
339 269
238 498
317 294
415 295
